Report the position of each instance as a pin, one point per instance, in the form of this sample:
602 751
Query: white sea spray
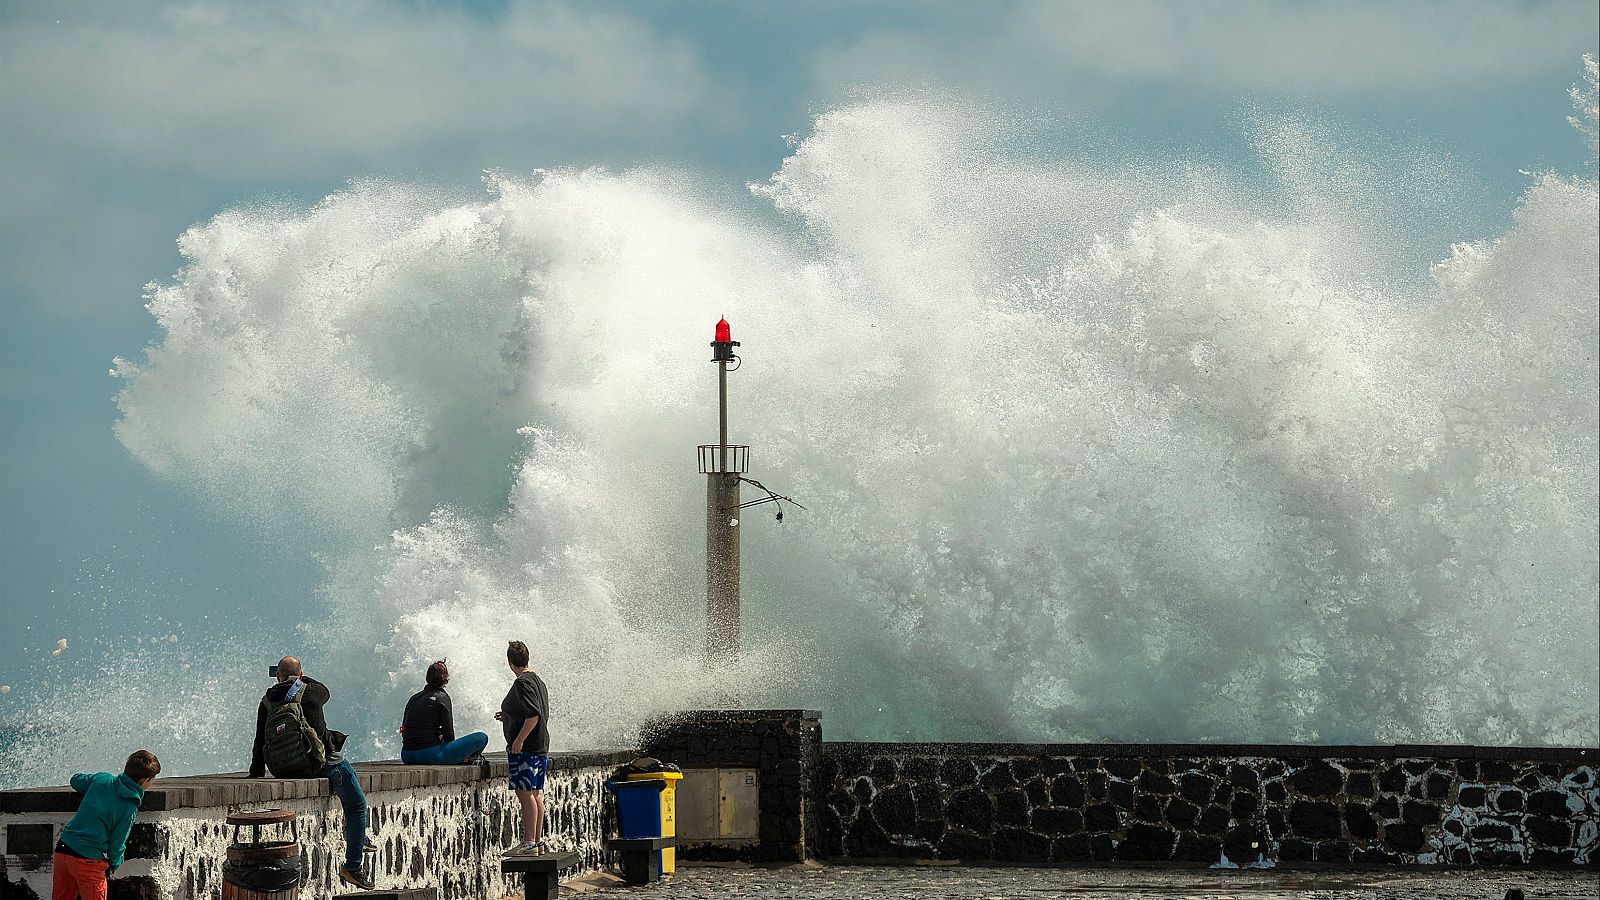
1090 451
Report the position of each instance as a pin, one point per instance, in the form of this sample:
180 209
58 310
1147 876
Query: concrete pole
722 545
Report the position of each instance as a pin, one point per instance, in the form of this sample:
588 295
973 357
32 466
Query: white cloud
1086 50
272 90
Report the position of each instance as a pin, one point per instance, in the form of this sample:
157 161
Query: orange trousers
76 877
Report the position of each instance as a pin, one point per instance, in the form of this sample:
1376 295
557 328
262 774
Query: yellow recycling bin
669 813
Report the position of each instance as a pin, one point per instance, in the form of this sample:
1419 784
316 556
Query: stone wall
783 745
435 826
1249 804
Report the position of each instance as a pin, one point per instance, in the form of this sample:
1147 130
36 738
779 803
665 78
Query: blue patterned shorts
527 770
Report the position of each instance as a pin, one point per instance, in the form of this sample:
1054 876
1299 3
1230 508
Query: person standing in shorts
524 716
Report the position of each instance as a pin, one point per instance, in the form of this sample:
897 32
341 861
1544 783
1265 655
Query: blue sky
123 123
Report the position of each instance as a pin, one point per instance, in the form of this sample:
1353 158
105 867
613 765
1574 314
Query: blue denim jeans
447 754
343 783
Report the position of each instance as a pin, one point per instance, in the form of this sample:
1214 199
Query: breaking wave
1090 451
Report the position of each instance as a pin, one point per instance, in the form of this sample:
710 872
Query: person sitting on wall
429 727
93 843
300 746
525 713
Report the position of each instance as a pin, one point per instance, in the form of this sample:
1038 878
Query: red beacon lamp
722 343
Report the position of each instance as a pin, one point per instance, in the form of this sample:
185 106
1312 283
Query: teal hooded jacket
99 830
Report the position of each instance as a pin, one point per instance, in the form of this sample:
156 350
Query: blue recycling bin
639 809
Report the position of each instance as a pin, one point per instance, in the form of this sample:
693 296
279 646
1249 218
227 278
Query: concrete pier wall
446 826
435 826
782 746
1067 804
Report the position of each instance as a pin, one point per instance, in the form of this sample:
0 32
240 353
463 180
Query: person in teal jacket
93 843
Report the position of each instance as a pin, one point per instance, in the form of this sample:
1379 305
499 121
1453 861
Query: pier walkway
828 882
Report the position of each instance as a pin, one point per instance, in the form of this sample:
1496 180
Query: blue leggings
447 754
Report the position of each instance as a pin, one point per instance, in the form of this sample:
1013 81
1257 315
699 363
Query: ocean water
1091 450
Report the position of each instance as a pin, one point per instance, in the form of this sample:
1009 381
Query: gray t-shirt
526 699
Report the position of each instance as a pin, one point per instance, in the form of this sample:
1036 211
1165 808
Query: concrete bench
641 857
538 870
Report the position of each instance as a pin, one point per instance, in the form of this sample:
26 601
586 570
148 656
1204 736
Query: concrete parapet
440 827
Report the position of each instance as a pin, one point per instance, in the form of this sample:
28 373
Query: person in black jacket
429 727
341 776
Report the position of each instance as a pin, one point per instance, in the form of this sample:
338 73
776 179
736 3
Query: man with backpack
293 741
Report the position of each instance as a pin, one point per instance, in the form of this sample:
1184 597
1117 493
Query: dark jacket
429 721
312 698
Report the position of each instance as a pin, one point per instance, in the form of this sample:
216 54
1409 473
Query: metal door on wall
719 806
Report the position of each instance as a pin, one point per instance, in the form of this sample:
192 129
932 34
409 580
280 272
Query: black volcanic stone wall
784 745
1061 804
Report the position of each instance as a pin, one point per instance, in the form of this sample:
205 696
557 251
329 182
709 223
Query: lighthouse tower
724 465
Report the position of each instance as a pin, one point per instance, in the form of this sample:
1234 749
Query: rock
1038 792
1358 820
896 810
970 809
1147 842
1067 791
1404 838
1244 805
1011 810
1332 851
1418 813
1550 832
1148 808
1296 850
1392 780
1509 800
998 777
1318 779
1016 845
1243 777
1314 820
1359 784
1549 803
1152 783
1071 849
885 772
1055 820
1196 788
1121 794
927 796
1213 821
1102 817
957 845
1181 813
1243 844
1196 848
1122 767
1494 831
866 838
